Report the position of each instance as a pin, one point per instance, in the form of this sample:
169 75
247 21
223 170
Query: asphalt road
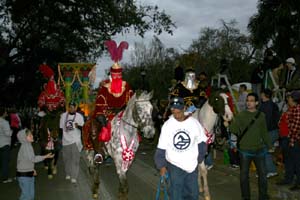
142 179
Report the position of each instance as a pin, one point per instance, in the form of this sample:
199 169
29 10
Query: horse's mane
217 102
139 94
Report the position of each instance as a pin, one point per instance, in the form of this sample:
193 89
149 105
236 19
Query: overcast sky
190 16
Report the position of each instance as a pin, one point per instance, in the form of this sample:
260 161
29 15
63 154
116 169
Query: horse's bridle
135 116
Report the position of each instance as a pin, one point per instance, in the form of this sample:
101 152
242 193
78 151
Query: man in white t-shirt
181 146
71 123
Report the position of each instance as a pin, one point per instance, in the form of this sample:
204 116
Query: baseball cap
290 60
177 103
72 103
295 95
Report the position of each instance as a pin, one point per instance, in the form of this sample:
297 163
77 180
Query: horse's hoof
95 196
54 170
207 197
50 176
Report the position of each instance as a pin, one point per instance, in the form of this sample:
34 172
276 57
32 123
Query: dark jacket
272 114
294 83
257 136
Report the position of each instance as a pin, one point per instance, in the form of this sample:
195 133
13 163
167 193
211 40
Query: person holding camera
71 123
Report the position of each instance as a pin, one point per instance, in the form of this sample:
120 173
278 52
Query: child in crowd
242 97
233 152
25 164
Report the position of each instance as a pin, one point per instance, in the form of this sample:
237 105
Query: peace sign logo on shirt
181 140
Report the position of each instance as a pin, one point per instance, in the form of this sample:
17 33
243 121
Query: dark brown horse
50 141
96 152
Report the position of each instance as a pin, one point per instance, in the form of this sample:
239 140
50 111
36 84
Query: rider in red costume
114 94
52 96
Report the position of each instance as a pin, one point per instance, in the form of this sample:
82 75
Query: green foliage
204 54
227 42
35 31
277 23
158 64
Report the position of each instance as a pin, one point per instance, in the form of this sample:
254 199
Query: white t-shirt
180 140
71 134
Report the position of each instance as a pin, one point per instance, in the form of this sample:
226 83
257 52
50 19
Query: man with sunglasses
181 146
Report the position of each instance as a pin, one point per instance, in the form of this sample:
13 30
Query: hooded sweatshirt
5 133
26 157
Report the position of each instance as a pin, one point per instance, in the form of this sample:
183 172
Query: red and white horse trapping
127 151
50 143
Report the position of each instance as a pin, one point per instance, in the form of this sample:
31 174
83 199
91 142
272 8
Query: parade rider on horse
52 101
113 94
51 97
191 90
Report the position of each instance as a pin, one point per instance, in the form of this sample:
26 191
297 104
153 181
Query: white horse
217 104
124 142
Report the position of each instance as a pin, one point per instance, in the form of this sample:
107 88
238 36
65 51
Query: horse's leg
55 159
204 187
96 180
49 164
123 188
98 149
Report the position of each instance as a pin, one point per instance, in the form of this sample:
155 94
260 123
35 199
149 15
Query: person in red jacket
284 142
292 161
15 125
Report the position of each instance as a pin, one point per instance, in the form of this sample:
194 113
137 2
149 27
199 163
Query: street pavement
142 180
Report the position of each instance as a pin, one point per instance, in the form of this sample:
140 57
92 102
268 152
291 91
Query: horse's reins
126 122
134 119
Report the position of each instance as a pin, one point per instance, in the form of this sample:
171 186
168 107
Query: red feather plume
46 71
123 45
116 52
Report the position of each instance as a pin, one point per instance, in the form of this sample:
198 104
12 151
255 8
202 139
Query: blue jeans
27 188
259 160
293 162
271 167
183 185
208 159
289 173
5 157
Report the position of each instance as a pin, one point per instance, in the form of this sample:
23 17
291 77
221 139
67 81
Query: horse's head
219 102
142 113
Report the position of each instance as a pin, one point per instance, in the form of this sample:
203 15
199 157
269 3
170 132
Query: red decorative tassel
105 133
